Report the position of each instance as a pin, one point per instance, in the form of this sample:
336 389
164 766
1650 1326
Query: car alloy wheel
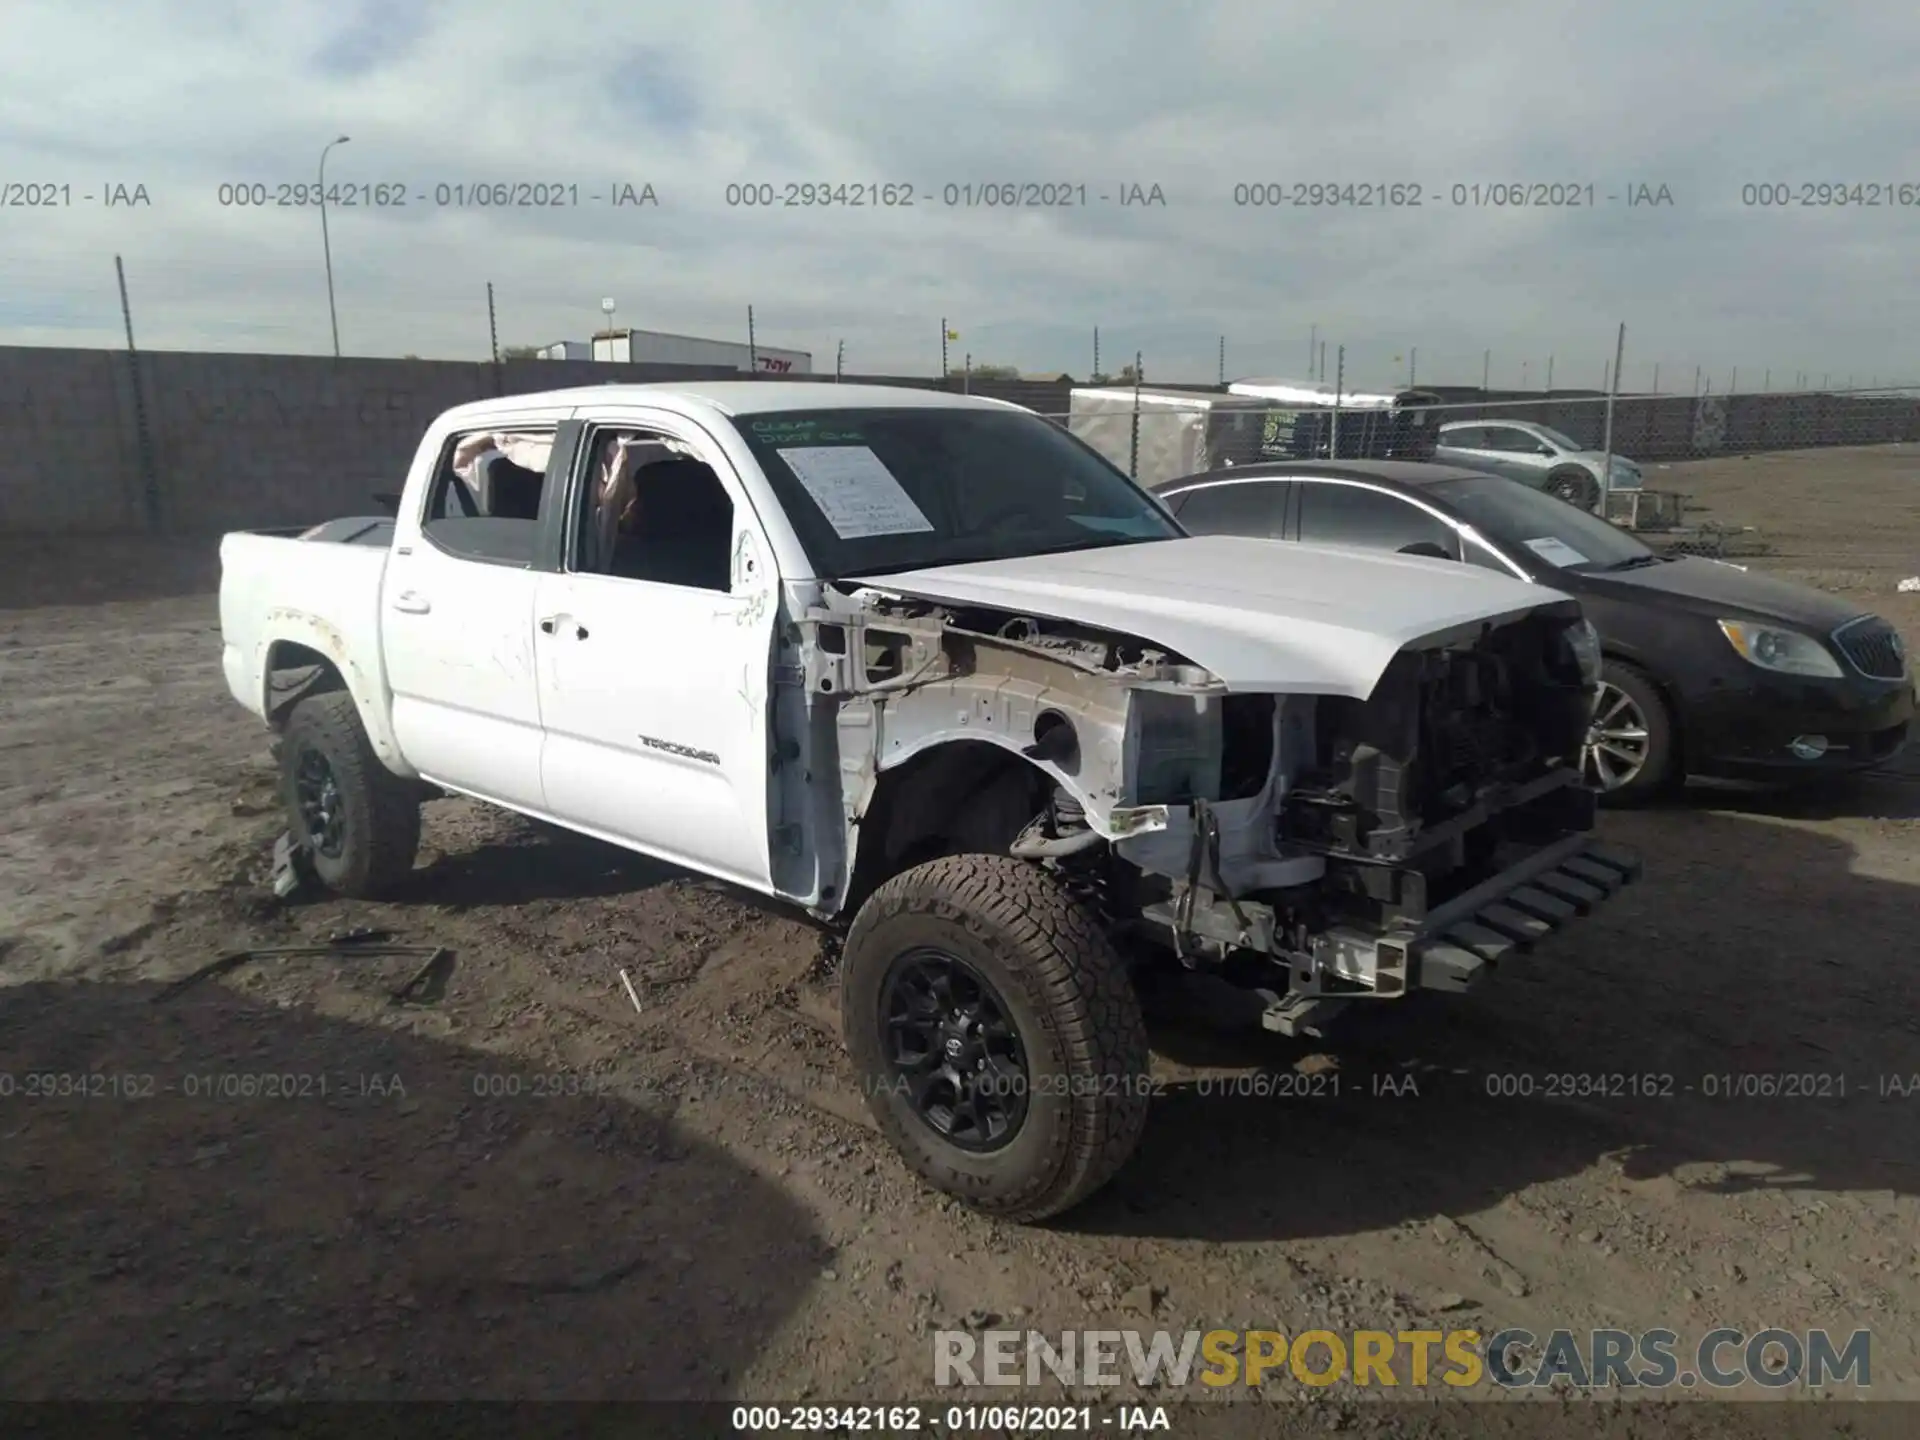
1577 488
1617 742
321 805
949 1040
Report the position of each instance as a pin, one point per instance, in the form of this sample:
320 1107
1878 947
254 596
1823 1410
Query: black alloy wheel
949 1042
321 806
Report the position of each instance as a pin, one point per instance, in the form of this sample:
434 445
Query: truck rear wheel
357 821
996 1033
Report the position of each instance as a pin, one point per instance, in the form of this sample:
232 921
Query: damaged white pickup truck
926 665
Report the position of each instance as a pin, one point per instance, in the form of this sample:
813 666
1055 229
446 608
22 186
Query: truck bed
324 595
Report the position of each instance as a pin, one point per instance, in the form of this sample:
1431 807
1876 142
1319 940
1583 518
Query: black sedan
1711 670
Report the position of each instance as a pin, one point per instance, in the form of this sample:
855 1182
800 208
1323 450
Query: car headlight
1585 641
1787 652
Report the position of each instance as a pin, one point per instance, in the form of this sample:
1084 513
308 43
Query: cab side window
484 501
653 510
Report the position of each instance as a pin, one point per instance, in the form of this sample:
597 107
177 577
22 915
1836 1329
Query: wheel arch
1663 687
944 796
307 656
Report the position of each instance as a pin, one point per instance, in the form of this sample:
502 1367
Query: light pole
326 243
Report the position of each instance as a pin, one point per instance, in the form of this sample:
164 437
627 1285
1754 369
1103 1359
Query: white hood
1263 615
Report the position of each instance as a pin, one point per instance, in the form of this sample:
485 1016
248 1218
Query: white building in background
655 347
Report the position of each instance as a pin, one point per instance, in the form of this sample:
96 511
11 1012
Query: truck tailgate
323 596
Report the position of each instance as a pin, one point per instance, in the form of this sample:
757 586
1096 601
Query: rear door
456 623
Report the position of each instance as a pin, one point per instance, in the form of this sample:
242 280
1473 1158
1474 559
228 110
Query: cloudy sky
937 100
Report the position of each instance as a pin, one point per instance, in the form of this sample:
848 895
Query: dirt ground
512 1185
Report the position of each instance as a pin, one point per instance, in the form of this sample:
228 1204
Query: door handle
551 623
412 602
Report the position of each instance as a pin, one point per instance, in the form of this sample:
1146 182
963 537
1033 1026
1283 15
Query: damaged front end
1310 849
1444 814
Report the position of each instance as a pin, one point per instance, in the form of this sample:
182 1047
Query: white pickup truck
928 667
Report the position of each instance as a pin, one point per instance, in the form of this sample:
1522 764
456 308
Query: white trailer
656 347
1180 432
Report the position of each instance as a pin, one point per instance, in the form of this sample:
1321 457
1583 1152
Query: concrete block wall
290 439
67 459
211 442
240 441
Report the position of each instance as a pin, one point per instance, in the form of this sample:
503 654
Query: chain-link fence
1165 435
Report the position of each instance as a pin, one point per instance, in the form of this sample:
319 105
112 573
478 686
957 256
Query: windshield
870 491
1555 437
1535 526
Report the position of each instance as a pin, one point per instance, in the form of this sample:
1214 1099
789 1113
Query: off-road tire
380 811
1067 994
1575 486
1663 773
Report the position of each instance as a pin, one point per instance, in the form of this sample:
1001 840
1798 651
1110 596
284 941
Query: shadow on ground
533 863
405 1219
1751 948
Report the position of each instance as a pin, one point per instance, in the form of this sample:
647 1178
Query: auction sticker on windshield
1555 552
858 495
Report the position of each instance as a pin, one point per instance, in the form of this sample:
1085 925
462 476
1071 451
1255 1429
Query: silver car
1535 455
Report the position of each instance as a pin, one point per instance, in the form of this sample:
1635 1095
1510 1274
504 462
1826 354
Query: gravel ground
512 1185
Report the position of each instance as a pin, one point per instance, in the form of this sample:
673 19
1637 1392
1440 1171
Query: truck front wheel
997 1036
357 821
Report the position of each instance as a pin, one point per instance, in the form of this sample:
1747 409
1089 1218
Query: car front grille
1874 648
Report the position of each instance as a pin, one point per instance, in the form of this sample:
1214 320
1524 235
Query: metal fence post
1133 452
142 433
493 340
1613 390
1339 384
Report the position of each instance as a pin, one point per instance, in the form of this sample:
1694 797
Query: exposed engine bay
1317 836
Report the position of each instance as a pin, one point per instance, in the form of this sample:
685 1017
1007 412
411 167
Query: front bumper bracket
1461 940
